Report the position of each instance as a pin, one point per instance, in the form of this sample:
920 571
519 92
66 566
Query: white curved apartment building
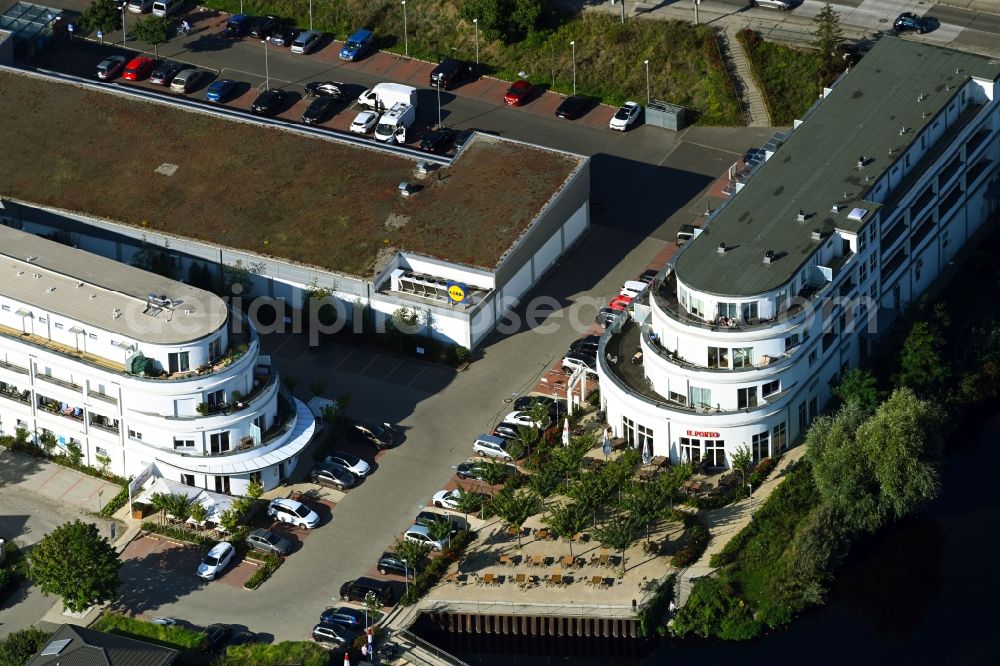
137 369
847 221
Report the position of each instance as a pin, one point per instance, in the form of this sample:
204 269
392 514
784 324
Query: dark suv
390 563
910 21
449 72
355 590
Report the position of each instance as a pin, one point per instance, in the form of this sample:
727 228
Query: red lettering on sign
701 433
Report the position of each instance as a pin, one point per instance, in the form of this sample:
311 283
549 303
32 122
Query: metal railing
59 382
12 366
440 655
521 608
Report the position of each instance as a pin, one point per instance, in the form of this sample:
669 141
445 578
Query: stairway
751 97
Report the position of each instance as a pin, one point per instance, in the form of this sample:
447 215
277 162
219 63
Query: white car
632 288
420 534
290 511
352 463
446 499
625 116
364 122
216 561
524 419
782 5
574 361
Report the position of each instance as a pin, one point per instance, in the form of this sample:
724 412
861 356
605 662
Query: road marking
72 487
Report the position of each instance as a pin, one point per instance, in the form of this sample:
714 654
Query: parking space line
416 376
75 484
386 376
344 358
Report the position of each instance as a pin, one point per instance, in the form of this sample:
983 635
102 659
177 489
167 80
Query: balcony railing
11 366
69 412
242 344
106 427
59 382
284 424
23 397
678 360
104 396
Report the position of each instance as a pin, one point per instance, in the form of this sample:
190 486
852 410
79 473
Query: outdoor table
521 580
489 579
567 561
597 581
555 579
537 561
604 559
541 534
506 560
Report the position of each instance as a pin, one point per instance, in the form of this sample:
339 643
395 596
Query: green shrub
433 572
789 78
304 653
178 533
20 646
6 579
270 564
174 635
653 611
115 503
715 608
697 536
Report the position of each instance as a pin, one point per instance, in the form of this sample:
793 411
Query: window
873 264
59 326
728 310
678 398
645 438
770 388
750 311
219 442
715 452
760 446
43 320
813 409
101 451
255 477
873 292
701 397
214 349
803 421
690 450
628 431
742 357
863 273
183 444
779 437
697 307
718 357
178 362
187 479
222 484
746 397
791 341
216 398
261 422
812 357
134 435
92 336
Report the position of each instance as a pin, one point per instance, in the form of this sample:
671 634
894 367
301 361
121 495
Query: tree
617 535
153 260
178 506
526 436
591 492
829 39
153 30
20 646
567 519
414 552
508 20
76 563
440 529
255 490
468 502
645 503
858 386
493 473
515 507
101 15
742 459
545 481
240 274
198 512
922 367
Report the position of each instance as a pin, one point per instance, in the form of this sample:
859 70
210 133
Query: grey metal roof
818 164
26 21
85 287
87 647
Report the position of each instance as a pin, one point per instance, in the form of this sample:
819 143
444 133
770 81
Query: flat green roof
818 164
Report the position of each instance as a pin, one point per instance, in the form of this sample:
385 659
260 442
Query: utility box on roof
667 116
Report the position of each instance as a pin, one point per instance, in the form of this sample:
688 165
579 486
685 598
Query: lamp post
406 577
406 39
438 86
310 15
573 44
123 25
646 63
743 477
475 23
267 71
241 6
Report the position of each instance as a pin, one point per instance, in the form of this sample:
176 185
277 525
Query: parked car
216 636
138 68
331 475
237 25
284 35
216 561
577 360
506 431
268 102
333 633
632 288
781 5
910 21
364 122
140 6
263 26
420 534
319 110
573 107
491 447
267 541
352 618
518 93
382 435
524 419
187 80
164 73
329 88
221 91
242 638
620 302
437 141
648 276
306 41
449 72
473 469
462 138
605 316
425 518
355 590
350 462
448 499
110 67
357 45
625 116
390 563
587 345
293 512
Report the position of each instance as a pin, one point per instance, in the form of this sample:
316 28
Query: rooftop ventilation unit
30 259
115 313
722 248
423 167
861 162
769 256
836 208
817 235
801 217
50 290
857 214
903 130
406 189
921 97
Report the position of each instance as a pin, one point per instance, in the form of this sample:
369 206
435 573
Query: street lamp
406 39
438 86
475 22
310 15
743 476
573 44
646 63
123 25
406 577
267 71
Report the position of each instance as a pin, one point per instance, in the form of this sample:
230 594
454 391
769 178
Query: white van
632 288
166 7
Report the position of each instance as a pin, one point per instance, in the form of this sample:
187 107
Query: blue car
357 45
237 25
220 91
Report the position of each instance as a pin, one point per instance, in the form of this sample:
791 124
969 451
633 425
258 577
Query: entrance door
222 484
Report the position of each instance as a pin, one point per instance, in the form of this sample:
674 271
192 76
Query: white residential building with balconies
135 369
848 220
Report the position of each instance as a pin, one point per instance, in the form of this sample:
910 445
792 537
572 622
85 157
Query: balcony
765 361
59 382
105 424
15 394
60 408
284 423
110 399
242 344
39 342
15 368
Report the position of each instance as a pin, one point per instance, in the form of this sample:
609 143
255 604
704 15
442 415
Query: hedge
697 540
652 613
432 573
269 564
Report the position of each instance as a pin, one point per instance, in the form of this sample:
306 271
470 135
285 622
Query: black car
390 563
507 430
382 435
425 518
331 632
329 88
437 141
587 345
262 27
473 469
319 110
449 72
648 276
910 21
269 101
165 72
284 35
332 475
573 107
357 589
268 542
352 618
557 408
462 138
216 636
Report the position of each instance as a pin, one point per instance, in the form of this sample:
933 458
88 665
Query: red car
138 68
619 303
518 93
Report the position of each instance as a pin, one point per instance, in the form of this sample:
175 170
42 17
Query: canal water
926 591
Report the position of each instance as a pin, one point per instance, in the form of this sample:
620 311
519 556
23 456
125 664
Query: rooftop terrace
261 189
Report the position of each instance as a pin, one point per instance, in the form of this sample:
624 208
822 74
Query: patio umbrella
647 455
565 437
607 445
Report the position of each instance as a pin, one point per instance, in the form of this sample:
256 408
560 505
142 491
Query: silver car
187 80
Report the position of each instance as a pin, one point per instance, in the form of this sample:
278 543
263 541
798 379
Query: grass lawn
180 638
790 77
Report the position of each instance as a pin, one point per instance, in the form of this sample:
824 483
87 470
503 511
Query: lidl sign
457 291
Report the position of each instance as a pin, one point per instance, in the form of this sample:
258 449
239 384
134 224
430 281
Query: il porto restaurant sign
702 433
